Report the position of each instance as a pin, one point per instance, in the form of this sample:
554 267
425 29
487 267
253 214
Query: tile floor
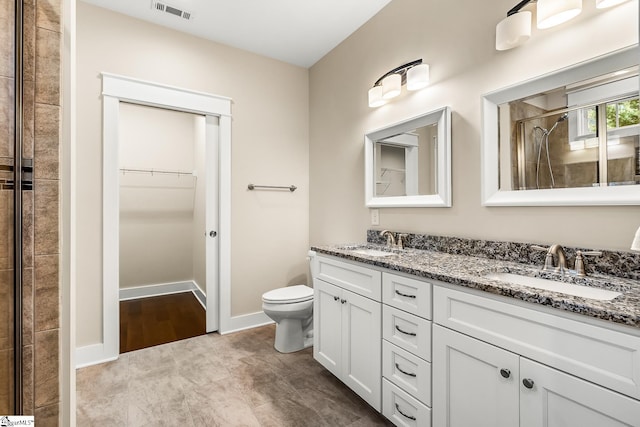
213 380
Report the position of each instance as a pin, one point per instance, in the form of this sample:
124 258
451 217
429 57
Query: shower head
562 118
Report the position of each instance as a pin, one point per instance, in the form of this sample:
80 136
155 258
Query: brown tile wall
41 284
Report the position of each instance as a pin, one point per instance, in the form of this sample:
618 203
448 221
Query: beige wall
157 210
269 146
457 40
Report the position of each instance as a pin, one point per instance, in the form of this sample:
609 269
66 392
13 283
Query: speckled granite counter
470 271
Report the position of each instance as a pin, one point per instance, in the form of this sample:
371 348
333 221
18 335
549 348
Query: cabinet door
474 383
556 399
327 325
362 347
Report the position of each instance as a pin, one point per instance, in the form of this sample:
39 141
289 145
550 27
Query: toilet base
291 337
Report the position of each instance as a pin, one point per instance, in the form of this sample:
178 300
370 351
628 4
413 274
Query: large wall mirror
408 164
568 138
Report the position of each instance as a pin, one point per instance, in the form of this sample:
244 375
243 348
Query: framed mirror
408 164
571 137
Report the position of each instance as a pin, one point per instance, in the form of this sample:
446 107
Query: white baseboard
247 321
157 290
199 294
93 354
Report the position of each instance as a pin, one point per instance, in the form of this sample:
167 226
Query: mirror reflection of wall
406 164
582 135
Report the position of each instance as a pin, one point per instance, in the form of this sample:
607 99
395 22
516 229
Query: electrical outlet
375 217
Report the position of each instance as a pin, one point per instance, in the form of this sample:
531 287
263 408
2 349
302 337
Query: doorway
162 235
214 112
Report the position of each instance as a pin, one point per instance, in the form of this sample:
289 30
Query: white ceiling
299 32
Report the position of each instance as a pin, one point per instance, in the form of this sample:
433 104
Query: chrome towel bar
291 188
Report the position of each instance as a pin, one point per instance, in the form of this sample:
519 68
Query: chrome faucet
561 268
562 258
391 240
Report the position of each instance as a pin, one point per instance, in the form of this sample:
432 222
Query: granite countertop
470 271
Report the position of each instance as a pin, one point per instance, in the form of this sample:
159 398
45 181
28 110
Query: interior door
212 247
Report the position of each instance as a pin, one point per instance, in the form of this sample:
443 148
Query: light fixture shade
513 30
555 12
418 77
635 245
375 97
391 86
602 4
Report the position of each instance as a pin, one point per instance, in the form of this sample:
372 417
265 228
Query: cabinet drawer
407 294
402 409
361 280
407 331
598 354
407 371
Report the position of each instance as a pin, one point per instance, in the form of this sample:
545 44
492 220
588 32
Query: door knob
527 383
505 373
213 233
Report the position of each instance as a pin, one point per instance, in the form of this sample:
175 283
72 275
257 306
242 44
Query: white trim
92 355
588 196
156 290
247 321
202 298
119 88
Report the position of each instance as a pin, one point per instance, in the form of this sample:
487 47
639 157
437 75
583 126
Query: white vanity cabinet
347 325
498 364
406 350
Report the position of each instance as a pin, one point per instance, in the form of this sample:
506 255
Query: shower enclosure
11 200
586 135
30 123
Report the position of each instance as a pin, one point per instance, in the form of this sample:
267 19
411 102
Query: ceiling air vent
165 8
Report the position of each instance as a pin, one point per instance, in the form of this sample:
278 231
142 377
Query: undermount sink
371 252
555 286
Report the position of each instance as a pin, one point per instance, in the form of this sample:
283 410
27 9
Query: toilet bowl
291 308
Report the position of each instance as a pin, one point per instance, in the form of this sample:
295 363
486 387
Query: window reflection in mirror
406 164
581 135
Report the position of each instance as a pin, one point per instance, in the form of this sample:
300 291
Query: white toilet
291 308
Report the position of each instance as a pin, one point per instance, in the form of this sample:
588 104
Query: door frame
116 89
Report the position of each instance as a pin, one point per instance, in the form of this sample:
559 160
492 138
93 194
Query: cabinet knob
505 373
527 383
343 301
336 298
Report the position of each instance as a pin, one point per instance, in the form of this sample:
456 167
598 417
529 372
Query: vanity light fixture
602 4
414 74
515 29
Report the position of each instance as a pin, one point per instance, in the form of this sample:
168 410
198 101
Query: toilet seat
289 295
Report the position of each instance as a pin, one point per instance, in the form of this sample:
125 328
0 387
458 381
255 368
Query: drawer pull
505 373
403 414
527 383
405 295
413 334
409 374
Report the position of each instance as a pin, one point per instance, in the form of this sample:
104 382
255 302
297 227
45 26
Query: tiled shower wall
41 285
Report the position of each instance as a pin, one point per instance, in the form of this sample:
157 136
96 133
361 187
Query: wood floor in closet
147 322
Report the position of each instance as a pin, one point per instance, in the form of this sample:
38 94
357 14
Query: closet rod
158 171
291 188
